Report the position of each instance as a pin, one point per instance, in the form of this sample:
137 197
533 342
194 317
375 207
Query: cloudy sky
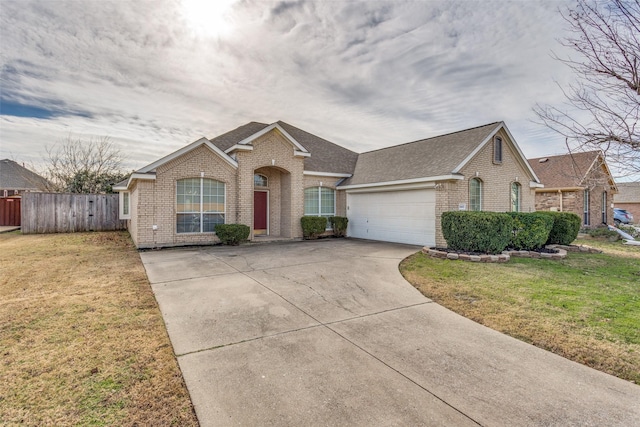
157 75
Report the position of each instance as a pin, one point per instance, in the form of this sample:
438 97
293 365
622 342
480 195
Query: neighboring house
628 198
577 182
269 176
16 179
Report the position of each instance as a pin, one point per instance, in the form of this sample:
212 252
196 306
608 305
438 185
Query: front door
260 202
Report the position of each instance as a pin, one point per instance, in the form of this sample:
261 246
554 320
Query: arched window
260 180
200 205
515 196
320 201
475 194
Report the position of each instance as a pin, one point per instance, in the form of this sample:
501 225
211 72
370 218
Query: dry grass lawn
81 336
585 308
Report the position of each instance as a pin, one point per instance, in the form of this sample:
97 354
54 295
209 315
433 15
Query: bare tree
602 108
79 166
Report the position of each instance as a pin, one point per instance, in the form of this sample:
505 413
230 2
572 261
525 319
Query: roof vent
546 159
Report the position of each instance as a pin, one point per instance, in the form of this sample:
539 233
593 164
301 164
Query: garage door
393 216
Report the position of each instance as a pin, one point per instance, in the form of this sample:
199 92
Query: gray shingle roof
429 157
16 177
325 155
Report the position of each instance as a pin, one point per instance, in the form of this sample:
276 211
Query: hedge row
493 232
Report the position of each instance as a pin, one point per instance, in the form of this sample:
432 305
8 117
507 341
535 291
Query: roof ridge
575 153
279 122
431 137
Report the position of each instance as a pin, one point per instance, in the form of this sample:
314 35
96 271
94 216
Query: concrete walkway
329 333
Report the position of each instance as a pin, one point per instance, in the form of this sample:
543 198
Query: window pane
260 180
210 221
475 194
311 201
125 203
327 202
515 197
188 195
188 223
190 201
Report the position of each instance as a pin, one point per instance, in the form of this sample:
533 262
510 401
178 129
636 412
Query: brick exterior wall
496 184
573 199
154 202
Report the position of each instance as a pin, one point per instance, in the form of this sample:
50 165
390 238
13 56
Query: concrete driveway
329 333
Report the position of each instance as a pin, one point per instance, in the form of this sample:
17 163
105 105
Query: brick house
269 176
628 198
576 182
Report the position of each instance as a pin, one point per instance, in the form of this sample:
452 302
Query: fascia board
480 146
429 179
135 175
186 149
238 147
330 174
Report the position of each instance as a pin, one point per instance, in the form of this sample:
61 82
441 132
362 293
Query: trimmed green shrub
339 225
232 234
312 226
566 226
530 230
484 232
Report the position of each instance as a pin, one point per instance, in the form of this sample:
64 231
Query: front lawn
81 337
585 308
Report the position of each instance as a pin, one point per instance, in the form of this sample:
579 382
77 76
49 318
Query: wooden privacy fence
68 213
9 211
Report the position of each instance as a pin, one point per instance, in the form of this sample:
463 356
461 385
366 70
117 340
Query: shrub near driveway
585 307
81 336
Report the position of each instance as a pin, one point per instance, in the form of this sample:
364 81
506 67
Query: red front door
260 212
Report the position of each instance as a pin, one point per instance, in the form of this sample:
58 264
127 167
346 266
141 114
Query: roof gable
202 141
569 170
439 156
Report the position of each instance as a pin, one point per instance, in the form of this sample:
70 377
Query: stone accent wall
496 184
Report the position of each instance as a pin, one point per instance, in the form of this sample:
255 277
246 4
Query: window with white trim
475 194
515 196
200 205
604 207
125 205
320 201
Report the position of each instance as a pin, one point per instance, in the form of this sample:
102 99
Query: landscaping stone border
576 248
506 255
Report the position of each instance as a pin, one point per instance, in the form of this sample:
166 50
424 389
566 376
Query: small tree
602 111
79 166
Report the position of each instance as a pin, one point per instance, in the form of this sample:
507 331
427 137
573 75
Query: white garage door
393 216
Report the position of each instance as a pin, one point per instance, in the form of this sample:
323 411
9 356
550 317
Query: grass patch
585 308
82 341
